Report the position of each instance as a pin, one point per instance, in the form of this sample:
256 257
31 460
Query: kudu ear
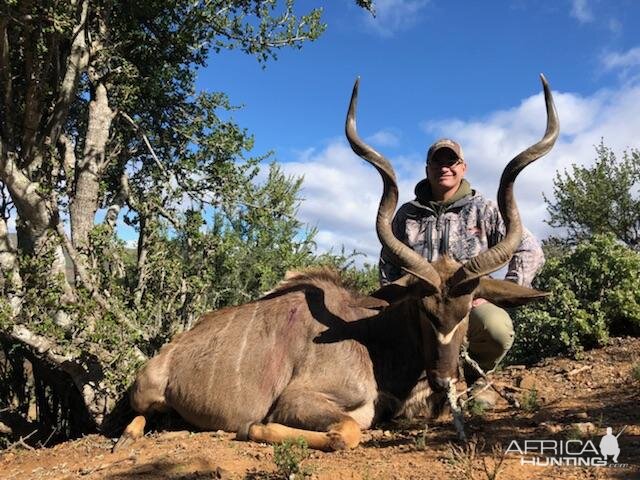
405 286
507 294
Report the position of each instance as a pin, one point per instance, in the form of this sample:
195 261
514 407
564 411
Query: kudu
314 360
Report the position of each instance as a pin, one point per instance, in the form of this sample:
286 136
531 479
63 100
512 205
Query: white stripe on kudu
446 339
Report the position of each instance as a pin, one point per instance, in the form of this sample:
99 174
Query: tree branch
77 62
169 176
146 141
7 85
32 107
89 284
141 263
86 374
30 204
68 164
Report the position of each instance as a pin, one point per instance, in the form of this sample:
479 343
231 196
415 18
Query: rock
582 415
174 435
387 434
516 367
5 429
528 382
584 428
222 474
63 319
552 428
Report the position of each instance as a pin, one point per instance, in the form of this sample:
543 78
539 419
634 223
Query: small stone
387 434
516 367
551 427
582 415
173 435
528 382
584 428
5 429
222 474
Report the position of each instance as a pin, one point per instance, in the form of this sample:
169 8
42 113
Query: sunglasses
448 162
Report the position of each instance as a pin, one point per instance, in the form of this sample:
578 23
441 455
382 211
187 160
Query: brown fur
307 357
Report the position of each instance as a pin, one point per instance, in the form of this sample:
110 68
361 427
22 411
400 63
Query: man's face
445 170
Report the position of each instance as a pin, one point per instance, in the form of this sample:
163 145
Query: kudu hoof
124 441
336 442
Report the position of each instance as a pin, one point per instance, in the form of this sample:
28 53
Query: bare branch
146 141
21 442
42 346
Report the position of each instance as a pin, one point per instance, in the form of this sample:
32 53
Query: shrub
595 293
530 401
288 457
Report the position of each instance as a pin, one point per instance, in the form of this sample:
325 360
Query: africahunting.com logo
573 452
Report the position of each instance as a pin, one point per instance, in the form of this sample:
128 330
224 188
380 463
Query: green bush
289 456
595 293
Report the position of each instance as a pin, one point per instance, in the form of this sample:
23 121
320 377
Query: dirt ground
562 400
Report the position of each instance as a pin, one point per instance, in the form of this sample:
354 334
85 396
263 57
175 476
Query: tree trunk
89 170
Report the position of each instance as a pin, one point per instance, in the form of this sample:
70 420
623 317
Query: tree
100 126
602 198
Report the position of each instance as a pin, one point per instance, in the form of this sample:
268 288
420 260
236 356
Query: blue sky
433 68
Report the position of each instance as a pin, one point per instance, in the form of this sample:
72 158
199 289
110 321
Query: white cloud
623 61
342 191
581 11
489 143
384 138
394 15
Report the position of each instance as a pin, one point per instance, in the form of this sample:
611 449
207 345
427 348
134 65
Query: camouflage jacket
463 229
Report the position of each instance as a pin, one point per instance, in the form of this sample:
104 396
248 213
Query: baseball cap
445 143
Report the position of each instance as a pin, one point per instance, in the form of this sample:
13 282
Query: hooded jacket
462 227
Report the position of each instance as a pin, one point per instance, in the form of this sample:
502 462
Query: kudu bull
314 360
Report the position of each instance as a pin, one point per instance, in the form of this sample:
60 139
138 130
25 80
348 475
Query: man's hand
478 301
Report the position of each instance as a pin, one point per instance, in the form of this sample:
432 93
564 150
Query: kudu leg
310 415
340 436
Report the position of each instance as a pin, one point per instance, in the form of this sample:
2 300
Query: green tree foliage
595 293
101 126
602 198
